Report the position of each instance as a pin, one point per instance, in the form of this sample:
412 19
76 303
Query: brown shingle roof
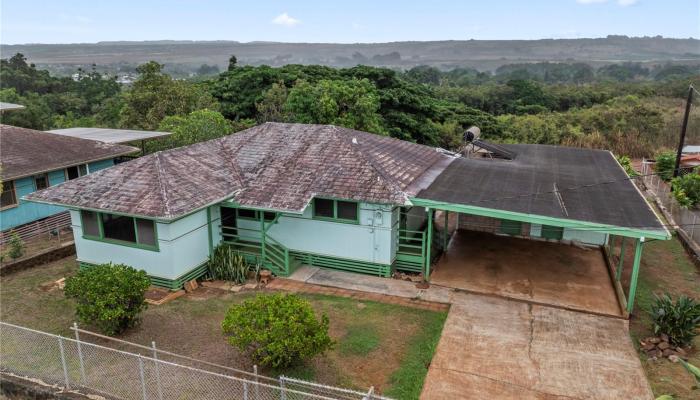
26 152
273 166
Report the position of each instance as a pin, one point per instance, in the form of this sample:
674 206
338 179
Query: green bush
679 320
665 164
277 330
228 265
110 297
16 246
686 189
626 164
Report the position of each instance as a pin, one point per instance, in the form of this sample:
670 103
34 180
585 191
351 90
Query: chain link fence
687 220
79 365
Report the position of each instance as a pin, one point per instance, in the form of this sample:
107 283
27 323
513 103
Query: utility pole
684 127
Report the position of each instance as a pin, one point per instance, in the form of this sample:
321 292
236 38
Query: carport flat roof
574 187
108 135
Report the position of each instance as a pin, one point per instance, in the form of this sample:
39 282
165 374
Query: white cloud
285 20
626 3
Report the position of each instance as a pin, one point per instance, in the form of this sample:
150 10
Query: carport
545 197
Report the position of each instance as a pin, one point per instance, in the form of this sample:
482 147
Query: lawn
665 267
382 345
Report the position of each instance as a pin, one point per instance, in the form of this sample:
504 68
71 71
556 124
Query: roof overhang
544 220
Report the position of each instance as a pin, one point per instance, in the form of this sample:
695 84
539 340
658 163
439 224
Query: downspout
210 234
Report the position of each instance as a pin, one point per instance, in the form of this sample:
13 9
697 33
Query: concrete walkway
498 348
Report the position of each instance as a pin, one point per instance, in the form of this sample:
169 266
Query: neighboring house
33 160
291 194
691 149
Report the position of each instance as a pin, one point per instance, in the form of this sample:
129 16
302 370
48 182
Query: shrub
679 320
277 330
626 164
686 189
226 264
109 297
665 164
16 246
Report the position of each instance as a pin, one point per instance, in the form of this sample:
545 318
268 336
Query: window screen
91 225
323 208
269 216
347 210
41 181
8 197
244 213
146 231
118 227
82 169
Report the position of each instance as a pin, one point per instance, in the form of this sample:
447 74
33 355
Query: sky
89 21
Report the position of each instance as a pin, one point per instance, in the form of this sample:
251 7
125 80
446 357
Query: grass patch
359 340
407 381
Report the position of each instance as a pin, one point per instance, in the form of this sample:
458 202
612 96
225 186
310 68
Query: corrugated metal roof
10 106
108 135
26 152
272 166
691 149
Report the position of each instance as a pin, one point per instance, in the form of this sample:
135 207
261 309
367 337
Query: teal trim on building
25 212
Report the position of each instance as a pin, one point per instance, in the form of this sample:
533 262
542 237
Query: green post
635 274
262 236
429 244
446 231
618 273
211 239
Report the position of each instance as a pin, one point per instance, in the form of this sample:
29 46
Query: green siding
552 232
172 284
510 227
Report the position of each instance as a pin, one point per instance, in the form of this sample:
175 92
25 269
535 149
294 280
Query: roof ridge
162 184
387 179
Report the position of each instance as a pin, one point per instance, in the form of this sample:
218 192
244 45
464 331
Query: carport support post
429 244
446 232
635 274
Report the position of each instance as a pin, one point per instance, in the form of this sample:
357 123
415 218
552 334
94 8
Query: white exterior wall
182 246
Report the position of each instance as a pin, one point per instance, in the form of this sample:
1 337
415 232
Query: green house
284 195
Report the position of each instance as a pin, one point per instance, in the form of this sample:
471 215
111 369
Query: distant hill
480 54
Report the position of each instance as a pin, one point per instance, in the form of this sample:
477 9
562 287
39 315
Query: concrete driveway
495 348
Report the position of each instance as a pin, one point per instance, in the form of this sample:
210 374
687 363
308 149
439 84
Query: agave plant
228 265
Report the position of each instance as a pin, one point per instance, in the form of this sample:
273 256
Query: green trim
172 284
635 275
103 239
335 218
543 220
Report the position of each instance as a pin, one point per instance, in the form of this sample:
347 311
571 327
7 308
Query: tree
272 106
232 61
665 164
197 126
277 330
352 104
155 95
108 296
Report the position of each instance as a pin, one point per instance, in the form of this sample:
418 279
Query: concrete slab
499 348
537 271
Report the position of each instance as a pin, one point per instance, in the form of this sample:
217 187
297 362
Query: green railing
410 255
260 248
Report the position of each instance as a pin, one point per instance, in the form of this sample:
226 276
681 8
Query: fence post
143 378
63 362
370 393
283 390
80 354
692 228
245 390
257 382
155 358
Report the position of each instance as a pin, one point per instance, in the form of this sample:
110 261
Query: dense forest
627 107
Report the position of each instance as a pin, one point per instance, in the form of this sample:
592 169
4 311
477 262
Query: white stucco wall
182 245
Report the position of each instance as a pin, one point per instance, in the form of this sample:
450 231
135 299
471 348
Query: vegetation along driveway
496 348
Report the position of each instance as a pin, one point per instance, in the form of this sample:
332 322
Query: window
118 227
76 171
41 181
246 213
8 198
269 216
91 226
343 211
122 229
